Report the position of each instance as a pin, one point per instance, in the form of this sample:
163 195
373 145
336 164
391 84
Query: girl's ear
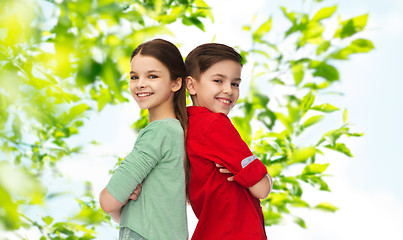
190 85
177 84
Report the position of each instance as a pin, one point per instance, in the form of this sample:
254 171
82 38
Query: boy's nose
227 89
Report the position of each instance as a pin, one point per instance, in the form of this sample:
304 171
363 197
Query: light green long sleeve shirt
157 157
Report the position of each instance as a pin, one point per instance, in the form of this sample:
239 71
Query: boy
227 208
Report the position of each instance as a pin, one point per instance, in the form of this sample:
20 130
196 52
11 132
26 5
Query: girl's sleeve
147 152
225 146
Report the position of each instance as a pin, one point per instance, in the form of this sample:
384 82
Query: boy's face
218 87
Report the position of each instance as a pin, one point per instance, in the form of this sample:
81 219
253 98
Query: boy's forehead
224 69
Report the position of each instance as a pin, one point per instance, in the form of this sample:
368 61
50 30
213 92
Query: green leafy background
67 117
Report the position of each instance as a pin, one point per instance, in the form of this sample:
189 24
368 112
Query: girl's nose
141 83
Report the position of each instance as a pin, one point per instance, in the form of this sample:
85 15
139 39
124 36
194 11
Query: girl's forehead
142 62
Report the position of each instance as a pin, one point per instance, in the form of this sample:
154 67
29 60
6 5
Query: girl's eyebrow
149 71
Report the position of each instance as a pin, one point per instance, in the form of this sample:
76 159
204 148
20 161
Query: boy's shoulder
205 120
204 114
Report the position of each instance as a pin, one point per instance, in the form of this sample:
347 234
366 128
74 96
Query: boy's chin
226 112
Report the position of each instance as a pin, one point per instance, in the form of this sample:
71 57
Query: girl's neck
159 115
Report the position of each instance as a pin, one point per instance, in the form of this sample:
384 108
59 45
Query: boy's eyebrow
223 76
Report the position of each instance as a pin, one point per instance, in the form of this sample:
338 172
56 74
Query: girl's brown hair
168 54
197 62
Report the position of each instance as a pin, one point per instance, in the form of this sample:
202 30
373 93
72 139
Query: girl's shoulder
166 126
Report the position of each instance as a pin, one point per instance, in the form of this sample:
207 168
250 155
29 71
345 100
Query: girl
156 161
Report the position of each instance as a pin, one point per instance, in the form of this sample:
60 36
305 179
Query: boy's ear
177 84
190 85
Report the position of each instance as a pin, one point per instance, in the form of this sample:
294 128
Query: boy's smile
218 87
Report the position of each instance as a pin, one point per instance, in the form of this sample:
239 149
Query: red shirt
226 210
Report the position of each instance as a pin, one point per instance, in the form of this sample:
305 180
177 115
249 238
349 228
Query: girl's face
218 87
151 84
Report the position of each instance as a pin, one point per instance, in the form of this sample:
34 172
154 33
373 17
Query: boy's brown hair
206 55
197 62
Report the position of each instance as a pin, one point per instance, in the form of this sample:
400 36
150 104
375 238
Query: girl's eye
235 84
134 77
153 76
217 81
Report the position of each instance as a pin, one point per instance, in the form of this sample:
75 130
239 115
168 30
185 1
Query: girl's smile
152 87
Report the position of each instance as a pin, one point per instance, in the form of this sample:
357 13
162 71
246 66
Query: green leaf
275 169
332 135
345 115
289 15
356 46
351 26
300 222
307 101
48 220
189 21
314 168
325 206
340 147
301 155
298 202
327 108
268 118
272 218
325 12
278 199
173 15
243 128
355 134
324 70
323 47
262 30
318 181
312 120
142 122
312 33
298 72
74 112
285 121
277 81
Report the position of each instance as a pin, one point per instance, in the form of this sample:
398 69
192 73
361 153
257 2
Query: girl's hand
225 171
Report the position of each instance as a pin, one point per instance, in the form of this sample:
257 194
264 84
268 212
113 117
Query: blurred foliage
300 68
60 61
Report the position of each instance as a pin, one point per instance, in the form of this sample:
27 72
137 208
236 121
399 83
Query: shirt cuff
251 174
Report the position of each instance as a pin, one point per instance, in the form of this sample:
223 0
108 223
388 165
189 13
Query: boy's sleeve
137 165
225 146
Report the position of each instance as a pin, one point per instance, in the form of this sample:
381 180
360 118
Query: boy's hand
224 170
134 194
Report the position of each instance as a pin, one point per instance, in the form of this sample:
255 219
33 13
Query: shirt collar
196 109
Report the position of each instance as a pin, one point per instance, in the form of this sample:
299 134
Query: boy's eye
134 77
217 81
153 76
235 84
